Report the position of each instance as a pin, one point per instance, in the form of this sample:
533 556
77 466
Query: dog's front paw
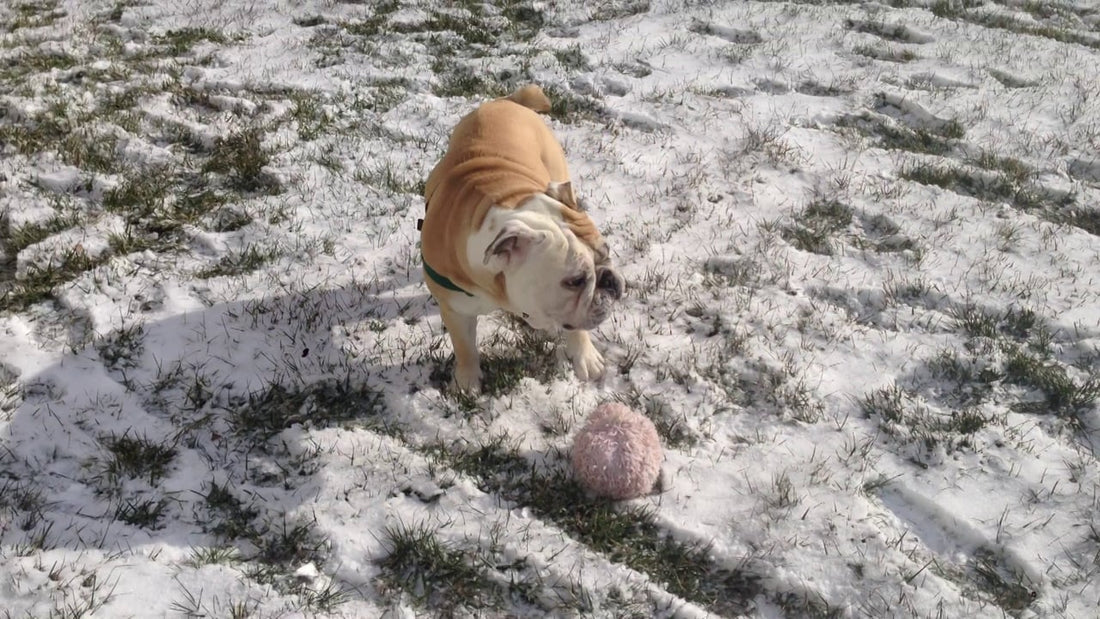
468 380
588 363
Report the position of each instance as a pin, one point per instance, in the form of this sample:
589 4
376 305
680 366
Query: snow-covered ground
863 310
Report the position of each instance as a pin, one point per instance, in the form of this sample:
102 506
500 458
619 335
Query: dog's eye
576 282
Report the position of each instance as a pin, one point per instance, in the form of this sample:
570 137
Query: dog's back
503 149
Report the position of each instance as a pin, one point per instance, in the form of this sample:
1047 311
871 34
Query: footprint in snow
732 35
899 33
817 89
1087 170
933 80
1012 80
772 87
908 111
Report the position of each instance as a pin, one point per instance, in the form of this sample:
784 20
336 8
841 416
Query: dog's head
553 276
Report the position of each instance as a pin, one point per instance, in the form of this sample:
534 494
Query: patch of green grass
232 519
1087 219
138 457
524 353
67 134
532 354
887 403
89 151
144 513
116 11
327 403
289 544
1011 23
755 384
194 201
459 80
573 58
21 503
726 273
155 204
140 195
882 235
953 9
894 136
1062 395
1018 323
472 28
241 158
901 414
569 107
179 42
185 96
129 241
213 555
672 428
248 260
998 188
605 11
18 239
389 177
228 220
36 14
886 53
432 573
310 116
327 598
280 546
807 605
1014 170
121 348
1020 343
970 379
525 18
38 282
1009 592
816 226
890 32
309 21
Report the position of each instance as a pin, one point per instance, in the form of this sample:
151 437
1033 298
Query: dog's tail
531 96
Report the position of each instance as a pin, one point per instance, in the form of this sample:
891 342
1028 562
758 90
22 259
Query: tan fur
531 96
501 157
485 168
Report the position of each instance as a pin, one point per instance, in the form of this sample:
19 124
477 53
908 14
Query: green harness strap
440 279
436 276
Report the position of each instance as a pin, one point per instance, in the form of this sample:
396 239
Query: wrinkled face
563 283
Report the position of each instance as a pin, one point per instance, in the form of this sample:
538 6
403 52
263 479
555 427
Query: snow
721 123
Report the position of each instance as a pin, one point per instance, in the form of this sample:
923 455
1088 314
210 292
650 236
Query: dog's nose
610 282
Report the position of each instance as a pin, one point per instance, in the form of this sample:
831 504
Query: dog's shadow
170 432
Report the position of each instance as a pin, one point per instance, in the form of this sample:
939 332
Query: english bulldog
502 230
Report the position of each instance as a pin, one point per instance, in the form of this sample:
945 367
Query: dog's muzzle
610 283
610 287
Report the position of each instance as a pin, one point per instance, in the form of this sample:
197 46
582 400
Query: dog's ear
511 246
563 192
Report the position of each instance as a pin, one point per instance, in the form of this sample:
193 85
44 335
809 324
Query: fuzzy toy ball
617 454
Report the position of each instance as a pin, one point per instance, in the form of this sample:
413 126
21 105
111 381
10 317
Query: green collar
436 276
440 279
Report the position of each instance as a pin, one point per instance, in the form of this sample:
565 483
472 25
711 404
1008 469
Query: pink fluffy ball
617 454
